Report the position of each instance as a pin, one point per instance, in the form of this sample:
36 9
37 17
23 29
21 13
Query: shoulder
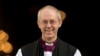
67 46
29 49
66 43
30 45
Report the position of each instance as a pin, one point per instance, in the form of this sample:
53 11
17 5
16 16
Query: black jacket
35 49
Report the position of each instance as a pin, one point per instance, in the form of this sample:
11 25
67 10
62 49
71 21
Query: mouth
48 32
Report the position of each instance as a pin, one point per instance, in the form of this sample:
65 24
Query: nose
48 24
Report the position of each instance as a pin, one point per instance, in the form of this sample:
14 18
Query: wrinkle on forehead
48 13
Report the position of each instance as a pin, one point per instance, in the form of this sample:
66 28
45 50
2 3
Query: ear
38 23
60 23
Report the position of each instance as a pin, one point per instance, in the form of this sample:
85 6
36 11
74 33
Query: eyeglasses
45 22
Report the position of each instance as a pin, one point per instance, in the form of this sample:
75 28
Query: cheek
56 27
41 28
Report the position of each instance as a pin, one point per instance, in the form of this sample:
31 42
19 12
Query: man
49 21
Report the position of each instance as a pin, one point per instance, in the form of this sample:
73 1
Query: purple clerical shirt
48 47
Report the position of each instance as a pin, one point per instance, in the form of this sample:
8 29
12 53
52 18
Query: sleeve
77 53
19 53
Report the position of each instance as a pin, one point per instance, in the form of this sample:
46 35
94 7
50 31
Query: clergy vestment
61 48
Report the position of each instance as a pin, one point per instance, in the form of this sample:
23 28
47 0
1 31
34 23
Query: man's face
49 24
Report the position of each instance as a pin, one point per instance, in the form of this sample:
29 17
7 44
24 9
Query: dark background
18 19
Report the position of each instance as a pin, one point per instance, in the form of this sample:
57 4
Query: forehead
48 14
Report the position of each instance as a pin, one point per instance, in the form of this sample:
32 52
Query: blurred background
18 19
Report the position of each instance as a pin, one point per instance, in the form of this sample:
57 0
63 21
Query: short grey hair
51 7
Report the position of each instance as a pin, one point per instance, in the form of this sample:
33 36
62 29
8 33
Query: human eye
52 21
44 22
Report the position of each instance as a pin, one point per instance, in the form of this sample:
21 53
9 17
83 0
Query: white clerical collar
49 44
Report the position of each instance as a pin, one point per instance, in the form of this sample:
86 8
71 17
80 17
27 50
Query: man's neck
49 41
